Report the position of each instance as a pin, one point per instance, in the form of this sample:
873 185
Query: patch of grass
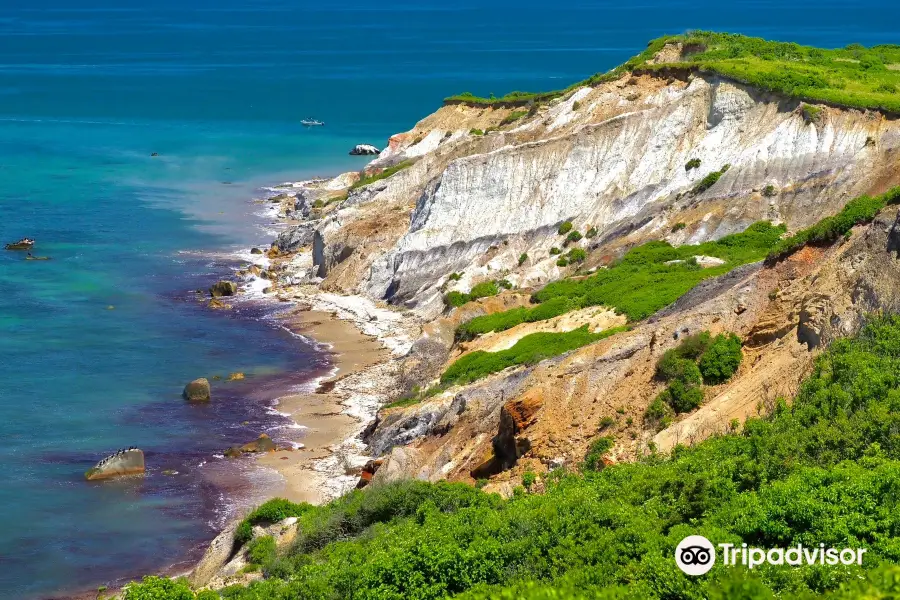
529 350
811 114
694 163
576 255
591 233
709 181
273 511
678 227
859 210
593 460
565 228
573 237
522 258
637 285
475 131
513 117
482 290
576 105
769 191
367 178
554 251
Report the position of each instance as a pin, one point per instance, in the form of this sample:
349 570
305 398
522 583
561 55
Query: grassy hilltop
854 76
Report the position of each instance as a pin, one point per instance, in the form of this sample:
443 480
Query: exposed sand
321 412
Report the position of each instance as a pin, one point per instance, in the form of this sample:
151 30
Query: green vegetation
554 251
694 163
593 460
591 233
565 228
698 359
769 191
522 258
513 117
721 360
710 180
812 114
637 285
855 76
482 290
859 210
454 276
367 178
272 511
678 226
529 350
823 470
576 255
528 479
474 131
573 237
562 262
261 550
576 105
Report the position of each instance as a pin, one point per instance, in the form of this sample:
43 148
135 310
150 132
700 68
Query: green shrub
769 191
576 105
573 237
678 227
591 233
672 366
576 255
273 511
484 289
505 284
721 360
474 131
554 251
710 180
513 117
454 276
593 460
694 163
367 178
455 299
261 550
657 411
562 262
522 258
682 396
811 114
159 588
528 479
565 228
606 422
529 350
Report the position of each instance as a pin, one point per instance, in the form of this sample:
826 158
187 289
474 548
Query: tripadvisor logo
696 555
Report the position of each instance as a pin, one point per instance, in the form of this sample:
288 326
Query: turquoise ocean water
88 89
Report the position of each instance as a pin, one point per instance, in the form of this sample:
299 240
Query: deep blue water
89 88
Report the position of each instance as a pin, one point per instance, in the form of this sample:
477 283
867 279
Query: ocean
98 342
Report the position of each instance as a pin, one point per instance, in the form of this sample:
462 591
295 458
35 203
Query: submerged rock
197 390
261 444
364 150
223 288
123 462
217 304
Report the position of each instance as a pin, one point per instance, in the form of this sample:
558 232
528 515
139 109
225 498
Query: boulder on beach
197 390
255 251
123 462
364 150
216 304
223 288
261 444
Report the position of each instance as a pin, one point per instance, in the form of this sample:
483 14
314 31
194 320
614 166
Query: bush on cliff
482 290
273 511
721 360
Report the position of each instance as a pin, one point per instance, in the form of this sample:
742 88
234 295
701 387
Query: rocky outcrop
123 462
197 390
223 288
261 444
294 238
364 150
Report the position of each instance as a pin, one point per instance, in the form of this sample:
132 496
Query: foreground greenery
639 284
854 76
824 470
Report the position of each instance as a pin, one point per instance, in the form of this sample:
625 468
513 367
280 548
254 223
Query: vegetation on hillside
643 281
823 470
855 76
367 178
529 350
856 212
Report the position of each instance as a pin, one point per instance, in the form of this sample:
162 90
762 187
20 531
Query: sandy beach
321 412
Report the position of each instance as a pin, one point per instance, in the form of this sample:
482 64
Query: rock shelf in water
123 462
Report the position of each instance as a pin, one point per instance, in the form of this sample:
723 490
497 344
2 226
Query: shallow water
88 89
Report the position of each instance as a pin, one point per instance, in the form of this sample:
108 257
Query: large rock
364 150
223 288
123 462
197 390
291 240
403 463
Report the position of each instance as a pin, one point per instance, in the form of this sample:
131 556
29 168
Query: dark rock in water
223 288
123 462
262 444
255 251
197 390
154 154
364 150
291 240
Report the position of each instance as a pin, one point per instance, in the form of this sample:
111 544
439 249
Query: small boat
311 123
30 257
23 244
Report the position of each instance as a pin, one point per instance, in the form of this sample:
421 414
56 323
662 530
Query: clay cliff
471 190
